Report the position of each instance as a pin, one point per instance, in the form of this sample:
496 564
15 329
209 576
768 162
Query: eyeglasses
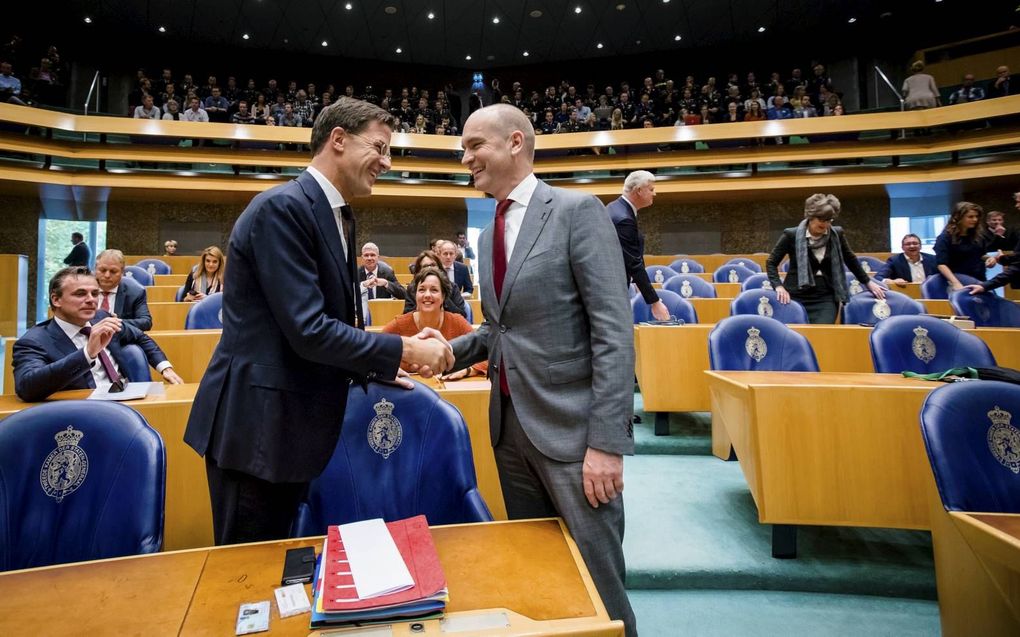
381 148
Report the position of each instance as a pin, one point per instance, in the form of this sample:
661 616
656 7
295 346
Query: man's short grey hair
116 255
370 246
637 179
350 114
505 119
819 206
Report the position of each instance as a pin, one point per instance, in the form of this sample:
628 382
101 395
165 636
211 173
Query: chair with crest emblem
871 265
986 309
937 286
764 303
925 344
690 286
206 314
678 307
660 273
758 281
684 265
732 273
867 309
401 453
79 480
745 262
759 343
154 266
140 275
854 287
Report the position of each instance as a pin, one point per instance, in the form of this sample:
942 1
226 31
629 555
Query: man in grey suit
557 335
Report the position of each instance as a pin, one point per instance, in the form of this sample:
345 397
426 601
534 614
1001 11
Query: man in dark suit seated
377 278
910 266
122 297
80 347
458 273
79 254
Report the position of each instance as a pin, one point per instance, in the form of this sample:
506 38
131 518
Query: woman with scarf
817 251
207 277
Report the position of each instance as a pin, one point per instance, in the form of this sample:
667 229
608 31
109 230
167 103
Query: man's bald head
504 119
499 149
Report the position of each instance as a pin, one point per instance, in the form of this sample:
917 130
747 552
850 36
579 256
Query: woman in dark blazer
962 246
817 251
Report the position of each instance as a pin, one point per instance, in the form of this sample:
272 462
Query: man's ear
516 142
338 138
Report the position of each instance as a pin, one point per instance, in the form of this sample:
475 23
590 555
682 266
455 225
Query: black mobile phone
298 566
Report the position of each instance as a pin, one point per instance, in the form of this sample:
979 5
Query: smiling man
910 266
268 413
124 298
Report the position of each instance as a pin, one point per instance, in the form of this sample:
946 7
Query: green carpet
689 433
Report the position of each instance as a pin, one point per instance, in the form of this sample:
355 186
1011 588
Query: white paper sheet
132 391
375 562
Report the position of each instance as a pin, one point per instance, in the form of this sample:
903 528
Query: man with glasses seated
910 266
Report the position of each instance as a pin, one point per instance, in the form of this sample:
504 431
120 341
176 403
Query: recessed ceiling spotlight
677 38
490 57
852 20
245 36
88 20
400 50
286 40
598 46
390 9
536 14
495 20
761 29
665 1
348 6
525 54
467 57
431 16
621 7
577 9
161 29
325 43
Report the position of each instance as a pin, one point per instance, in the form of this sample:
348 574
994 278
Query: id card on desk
253 618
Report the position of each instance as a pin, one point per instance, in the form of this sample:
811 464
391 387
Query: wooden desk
531 570
161 293
385 310
170 279
669 360
189 350
188 513
826 449
169 316
13 294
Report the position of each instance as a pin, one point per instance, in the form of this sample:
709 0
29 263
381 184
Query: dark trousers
248 509
535 486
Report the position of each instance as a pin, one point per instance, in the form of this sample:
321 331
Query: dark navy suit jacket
272 400
896 267
632 242
462 278
131 304
46 361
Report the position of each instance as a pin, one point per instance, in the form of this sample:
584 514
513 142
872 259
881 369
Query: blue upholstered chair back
747 263
180 294
401 453
134 364
678 307
205 314
937 287
470 313
660 273
758 281
969 431
140 275
759 343
722 275
871 265
764 303
693 266
690 286
986 310
865 308
158 266
79 480
925 344
854 287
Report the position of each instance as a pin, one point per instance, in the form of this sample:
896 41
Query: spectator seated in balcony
216 105
289 118
260 109
967 92
1003 84
173 112
804 108
243 115
195 113
779 109
10 85
147 109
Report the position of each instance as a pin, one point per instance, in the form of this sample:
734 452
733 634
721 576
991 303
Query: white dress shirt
73 332
514 216
335 199
916 269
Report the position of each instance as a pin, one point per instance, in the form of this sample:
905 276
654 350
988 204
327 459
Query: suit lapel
60 339
118 305
531 227
326 221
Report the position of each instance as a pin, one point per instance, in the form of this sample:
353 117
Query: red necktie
104 360
499 271
105 306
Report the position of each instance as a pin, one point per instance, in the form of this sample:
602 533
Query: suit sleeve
142 319
283 239
393 286
469 285
36 376
1001 279
601 282
888 270
132 335
633 260
783 248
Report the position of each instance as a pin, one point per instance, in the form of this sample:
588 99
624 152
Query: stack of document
373 571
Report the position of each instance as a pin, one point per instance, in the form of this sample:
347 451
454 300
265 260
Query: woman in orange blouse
431 289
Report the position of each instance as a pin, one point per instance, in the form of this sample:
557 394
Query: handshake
428 353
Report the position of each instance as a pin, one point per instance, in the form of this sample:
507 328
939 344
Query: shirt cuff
91 361
164 365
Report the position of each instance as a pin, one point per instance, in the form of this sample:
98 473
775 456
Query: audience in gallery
206 277
431 289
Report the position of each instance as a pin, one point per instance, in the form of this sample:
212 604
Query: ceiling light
676 38
390 9
88 20
245 36
598 46
467 57
400 50
348 6
665 1
577 9
490 57
852 20
286 40
761 29
525 54
161 29
325 43
431 16
536 14
495 20
621 7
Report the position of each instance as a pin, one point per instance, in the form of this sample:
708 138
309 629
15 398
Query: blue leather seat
871 265
205 314
678 307
690 286
854 287
79 480
968 433
986 310
741 274
747 263
158 266
401 453
758 281
660 273
865 308
692 266
925 344
133 364
138 274
470 313
937 287
764 303
179 296
759 343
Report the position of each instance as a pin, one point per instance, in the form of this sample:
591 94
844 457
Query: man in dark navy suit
79 254
910 266
123 297
638 193
80 347
268 413
458 273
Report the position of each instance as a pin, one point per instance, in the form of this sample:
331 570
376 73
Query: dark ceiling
548 30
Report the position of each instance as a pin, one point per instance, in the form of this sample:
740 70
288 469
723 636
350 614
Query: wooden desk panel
830 449
937 306
13 294
189 350
169 316
170 279
161 293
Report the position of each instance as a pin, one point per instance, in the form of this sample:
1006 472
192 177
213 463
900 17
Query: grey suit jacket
563 329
